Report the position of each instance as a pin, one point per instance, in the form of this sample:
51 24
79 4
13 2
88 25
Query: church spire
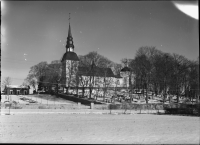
70 43
69 31
69 55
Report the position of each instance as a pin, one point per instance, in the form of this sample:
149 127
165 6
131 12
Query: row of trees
165 73
152 70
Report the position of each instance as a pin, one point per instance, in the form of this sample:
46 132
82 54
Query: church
75 76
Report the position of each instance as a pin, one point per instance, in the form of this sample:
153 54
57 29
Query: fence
128 106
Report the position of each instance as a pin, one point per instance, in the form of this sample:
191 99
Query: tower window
70 49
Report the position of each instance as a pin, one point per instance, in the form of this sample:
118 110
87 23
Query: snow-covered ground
96 128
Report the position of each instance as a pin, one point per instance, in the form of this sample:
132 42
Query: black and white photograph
100 72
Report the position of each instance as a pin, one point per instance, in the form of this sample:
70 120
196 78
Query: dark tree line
165 73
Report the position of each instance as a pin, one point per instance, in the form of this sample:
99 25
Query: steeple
70 54
69 31
70 43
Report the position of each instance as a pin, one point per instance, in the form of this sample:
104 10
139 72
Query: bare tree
45 75
162 72
53 75
180 66
31 81
38 73
192 80
6 83
144 71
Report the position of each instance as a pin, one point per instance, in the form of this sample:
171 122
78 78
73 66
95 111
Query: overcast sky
37 31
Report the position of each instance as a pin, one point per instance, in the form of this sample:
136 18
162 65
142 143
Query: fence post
91 105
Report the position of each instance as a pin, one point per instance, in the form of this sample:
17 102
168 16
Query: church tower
69 62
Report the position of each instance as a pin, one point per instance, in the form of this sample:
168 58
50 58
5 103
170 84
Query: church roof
70 56
16 86
96 71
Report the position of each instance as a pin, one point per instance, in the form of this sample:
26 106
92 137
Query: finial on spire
69 18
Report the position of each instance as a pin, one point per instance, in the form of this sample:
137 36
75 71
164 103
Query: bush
189 109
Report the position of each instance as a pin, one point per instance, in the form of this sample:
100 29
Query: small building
16 90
